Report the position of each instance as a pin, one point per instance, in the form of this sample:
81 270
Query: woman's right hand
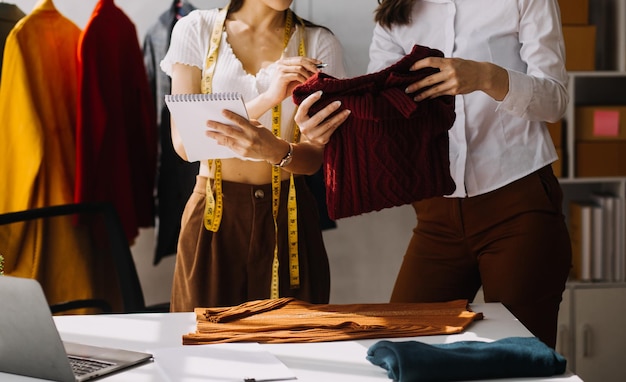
290 72
318 128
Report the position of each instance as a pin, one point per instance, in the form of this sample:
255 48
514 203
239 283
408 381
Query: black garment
318 189
10 14
175 177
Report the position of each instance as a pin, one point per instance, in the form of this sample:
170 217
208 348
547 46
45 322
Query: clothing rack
178 7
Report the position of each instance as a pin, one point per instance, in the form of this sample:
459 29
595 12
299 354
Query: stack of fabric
286 320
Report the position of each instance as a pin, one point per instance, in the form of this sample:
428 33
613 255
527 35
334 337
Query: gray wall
365 251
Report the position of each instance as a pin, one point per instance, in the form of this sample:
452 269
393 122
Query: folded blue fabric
512 357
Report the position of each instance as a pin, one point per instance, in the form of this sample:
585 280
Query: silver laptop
30 344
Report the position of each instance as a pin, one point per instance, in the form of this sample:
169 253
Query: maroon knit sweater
391 150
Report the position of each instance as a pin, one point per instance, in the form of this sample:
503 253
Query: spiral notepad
190 113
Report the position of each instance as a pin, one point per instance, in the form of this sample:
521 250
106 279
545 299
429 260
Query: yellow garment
37 153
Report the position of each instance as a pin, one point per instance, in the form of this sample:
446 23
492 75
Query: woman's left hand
458 76
320 126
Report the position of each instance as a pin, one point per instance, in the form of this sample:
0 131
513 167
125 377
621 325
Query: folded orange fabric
286 320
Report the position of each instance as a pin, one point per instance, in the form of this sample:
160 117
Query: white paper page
220 362
190 113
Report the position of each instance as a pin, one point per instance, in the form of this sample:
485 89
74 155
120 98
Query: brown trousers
512 241
234 264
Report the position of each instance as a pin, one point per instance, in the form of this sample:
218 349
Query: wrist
285 159
496 81
268 101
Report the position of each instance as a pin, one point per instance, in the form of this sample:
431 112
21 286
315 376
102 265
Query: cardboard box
580 47
600 123
556 132
574 11
600 159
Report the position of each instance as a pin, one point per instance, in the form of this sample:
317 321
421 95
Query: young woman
255 234
503 227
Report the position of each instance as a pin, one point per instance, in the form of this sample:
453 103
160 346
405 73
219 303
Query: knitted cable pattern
391 150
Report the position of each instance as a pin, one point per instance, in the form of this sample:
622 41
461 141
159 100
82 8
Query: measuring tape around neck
214 204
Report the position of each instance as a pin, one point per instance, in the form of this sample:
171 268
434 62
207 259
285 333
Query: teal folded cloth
512 357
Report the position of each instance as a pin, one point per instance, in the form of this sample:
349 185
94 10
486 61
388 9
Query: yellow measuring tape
214 205
213 208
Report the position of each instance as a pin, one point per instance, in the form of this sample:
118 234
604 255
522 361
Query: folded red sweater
391 150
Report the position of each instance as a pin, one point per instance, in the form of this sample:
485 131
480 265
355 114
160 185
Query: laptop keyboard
82 366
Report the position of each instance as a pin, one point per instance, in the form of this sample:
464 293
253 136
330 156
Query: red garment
391 150
116 133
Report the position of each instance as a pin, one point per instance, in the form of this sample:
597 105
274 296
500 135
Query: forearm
259 106
495 80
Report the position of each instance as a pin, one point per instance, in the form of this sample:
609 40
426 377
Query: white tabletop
342 361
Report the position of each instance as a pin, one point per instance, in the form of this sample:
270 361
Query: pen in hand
322 65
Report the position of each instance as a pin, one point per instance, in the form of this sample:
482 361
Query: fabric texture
512 357
37 143
285 320
116 129
175 177
234 264
10 14
317 185
391 150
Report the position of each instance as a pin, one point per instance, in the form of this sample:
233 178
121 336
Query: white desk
317 362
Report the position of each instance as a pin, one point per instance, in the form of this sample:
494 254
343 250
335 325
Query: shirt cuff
519 96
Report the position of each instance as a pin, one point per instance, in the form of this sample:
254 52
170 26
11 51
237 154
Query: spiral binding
225 96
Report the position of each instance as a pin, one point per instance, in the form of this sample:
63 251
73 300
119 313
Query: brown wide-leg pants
512 241
234 264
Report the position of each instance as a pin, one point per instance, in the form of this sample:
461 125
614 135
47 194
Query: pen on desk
269 379
322 65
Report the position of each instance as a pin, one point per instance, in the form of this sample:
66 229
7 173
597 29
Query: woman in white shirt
503 227
255 234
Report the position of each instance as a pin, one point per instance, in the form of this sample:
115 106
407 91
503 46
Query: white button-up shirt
492 143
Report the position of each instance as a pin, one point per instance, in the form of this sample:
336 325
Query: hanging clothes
10 14
116 127
38 109
175 177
